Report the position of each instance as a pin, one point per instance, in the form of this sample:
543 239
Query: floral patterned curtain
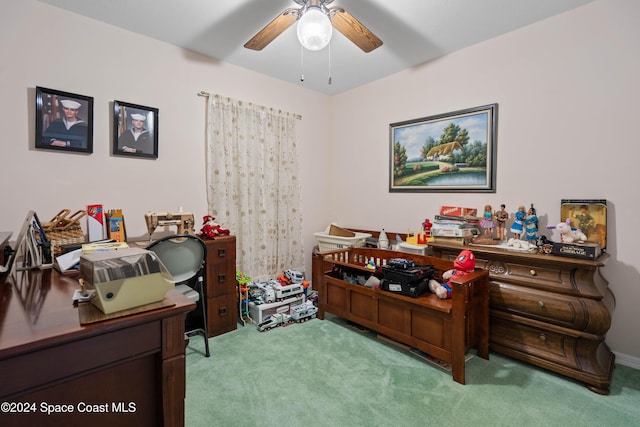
252 184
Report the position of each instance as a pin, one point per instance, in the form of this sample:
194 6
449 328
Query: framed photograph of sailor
135 130
64 121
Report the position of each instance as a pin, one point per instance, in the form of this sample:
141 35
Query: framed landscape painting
450 152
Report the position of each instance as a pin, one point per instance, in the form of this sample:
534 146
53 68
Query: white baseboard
626 360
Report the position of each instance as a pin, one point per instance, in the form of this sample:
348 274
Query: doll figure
586 223
518 223
501 217
487 221
531 225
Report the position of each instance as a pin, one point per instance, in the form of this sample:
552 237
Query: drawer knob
543 337
222 252
541 304
532 272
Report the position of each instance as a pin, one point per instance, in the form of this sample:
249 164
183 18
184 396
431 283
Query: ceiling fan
335 16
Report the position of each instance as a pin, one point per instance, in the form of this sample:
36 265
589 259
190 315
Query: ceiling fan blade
273 29
352 29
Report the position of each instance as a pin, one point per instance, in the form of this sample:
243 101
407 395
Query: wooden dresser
550 311
221 290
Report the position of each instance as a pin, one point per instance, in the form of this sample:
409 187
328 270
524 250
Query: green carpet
326 373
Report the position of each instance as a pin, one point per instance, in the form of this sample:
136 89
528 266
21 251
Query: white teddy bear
567 234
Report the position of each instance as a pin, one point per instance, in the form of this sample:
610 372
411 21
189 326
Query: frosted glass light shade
314 29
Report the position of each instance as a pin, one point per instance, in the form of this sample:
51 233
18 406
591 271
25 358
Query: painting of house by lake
450 152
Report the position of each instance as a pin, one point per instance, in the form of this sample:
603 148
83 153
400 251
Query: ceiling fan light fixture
314 29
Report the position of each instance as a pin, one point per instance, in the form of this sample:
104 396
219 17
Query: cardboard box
334 230
590 216
115 226
458 211
577 250
95 222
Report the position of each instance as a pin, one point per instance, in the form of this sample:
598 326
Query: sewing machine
183 220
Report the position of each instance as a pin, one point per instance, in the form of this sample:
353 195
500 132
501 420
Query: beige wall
45 46
567 90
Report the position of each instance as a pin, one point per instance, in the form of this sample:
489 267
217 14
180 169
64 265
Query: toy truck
294 276
275 320
287 291
266 292
303 312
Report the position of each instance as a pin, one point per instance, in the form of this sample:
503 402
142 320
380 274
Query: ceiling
413 32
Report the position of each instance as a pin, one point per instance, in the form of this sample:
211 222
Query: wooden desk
126 372
4 241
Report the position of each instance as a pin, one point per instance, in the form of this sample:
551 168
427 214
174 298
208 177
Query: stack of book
455 228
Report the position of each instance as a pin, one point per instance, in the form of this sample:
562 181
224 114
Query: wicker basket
64 229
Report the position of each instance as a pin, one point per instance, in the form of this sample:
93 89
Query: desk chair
184 255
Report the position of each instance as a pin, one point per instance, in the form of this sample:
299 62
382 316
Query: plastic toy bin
327 242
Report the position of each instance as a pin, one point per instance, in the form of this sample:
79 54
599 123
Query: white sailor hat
67 103
136 116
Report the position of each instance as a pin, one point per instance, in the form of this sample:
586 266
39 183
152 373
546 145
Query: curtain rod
207 94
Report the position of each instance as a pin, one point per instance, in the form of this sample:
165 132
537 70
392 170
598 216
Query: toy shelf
259 312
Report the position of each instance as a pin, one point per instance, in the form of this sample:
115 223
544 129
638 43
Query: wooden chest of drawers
222 306
553 312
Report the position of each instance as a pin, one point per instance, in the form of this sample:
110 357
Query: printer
124 279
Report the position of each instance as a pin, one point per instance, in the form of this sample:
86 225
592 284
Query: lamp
314 29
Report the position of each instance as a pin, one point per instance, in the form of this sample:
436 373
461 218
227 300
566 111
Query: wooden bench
445 329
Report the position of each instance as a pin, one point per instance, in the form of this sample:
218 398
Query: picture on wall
64 121
450 152
588 215
135 130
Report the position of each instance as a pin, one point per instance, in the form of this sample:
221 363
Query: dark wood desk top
4 237
36 310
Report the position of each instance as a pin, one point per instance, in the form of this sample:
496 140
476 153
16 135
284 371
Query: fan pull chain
301 63
329 62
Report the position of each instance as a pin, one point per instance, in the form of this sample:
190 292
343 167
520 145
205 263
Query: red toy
464 264
426 227
211 229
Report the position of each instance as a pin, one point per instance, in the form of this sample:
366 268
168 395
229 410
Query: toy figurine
464 264
567 234
518 223
426 227
211 229
487 221
501 221
586 223
531 225
383 240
